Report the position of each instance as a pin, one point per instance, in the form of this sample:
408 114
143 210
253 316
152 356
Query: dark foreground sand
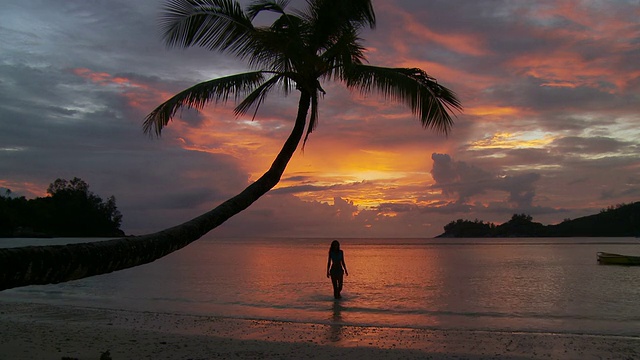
34 331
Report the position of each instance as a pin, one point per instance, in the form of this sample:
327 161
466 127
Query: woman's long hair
335 246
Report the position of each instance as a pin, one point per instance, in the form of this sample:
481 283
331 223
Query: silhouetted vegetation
467 228
70 210
619 220
104 356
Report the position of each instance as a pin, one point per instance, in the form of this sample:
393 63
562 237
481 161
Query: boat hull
617 259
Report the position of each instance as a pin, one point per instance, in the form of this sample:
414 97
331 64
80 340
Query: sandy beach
36 331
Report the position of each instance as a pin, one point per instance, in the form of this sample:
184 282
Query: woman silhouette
335 266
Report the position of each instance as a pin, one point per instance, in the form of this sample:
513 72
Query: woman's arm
344 266
328 266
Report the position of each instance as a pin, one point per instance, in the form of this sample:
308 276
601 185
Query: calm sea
540 285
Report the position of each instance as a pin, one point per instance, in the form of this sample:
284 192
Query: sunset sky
550 127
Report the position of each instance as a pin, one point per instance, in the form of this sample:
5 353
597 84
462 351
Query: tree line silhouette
69 210
618 220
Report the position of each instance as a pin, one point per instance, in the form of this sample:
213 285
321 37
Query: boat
617 259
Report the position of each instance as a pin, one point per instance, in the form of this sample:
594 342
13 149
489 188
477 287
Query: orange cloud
612 34
27 189
253 142
451 77
468 44
512 141
368 177
96 77
597 21
365 174
139 95
567 69
414 35
493 111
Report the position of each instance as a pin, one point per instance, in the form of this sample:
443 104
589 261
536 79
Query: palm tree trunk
59 263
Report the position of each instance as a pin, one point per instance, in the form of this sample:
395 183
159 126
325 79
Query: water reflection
335 328
507 285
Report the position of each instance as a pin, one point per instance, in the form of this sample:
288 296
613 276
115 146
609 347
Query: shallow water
541 285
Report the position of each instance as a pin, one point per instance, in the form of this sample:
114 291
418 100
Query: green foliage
69 210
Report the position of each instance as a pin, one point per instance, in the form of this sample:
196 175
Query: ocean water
531 285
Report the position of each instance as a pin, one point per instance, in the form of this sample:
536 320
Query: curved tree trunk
52 264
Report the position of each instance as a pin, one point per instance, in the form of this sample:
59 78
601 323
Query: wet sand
35 331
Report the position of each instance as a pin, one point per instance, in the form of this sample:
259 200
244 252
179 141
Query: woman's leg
334 282
340 280
336 279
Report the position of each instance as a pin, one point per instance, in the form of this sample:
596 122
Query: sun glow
492 111
513 141
28 189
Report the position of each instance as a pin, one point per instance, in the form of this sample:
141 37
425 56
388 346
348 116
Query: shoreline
39 331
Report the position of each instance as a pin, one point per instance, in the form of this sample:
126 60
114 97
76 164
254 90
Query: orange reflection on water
392 277
517 276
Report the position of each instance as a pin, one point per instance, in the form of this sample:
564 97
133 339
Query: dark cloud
299 178
592 145
457 177
396 208
613 194
317 188
301 188
530 93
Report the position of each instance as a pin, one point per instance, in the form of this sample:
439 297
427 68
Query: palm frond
329 18
337 13
344 52
278 48
199 95
258 6
213 24
313 119
430 101
257 96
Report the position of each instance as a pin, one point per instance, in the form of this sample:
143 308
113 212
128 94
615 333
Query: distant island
70 210
622 220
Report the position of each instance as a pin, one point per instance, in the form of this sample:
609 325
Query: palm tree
297 52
